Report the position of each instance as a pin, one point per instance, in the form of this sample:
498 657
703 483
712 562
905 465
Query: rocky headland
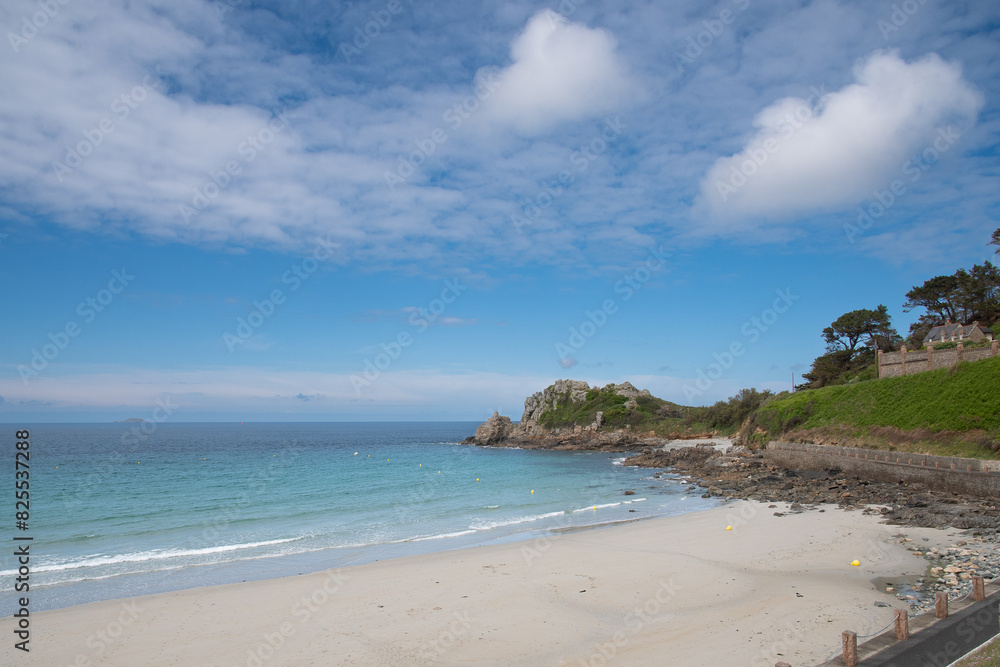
533 432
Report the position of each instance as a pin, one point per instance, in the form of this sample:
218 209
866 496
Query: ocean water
124 509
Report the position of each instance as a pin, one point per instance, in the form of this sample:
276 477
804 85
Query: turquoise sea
126 509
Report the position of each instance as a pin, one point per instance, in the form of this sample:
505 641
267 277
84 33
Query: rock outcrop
494 430
500 431
536 404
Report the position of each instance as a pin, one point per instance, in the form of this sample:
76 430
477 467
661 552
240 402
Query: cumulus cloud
561 71
836 149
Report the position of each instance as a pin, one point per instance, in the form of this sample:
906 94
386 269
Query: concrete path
721 444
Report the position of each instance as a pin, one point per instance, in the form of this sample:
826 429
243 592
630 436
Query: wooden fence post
850 641
978 589
941 605
902 625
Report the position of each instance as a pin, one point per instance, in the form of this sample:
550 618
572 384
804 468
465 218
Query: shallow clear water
119 511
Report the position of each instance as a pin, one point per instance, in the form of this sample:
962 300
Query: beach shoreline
771 588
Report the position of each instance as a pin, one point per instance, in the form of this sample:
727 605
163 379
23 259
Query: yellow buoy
595 508
477 479
439 472
355 453
729 527
855 563
532 490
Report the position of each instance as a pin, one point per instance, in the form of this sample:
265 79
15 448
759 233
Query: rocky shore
746 475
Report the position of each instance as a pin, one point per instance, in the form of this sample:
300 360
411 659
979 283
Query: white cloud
836 149
561 72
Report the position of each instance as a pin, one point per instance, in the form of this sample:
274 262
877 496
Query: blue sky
402 210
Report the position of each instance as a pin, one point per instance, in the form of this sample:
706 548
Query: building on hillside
952 332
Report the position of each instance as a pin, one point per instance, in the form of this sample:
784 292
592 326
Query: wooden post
902 625
781 664
978 589
961 346
850 640
930 357
941 605
903 359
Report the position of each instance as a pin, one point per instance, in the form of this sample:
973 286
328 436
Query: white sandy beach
671 591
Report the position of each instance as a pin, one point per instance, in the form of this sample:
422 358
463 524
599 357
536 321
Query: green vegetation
726 417
654 414
986 655
851 343
648 412
954 411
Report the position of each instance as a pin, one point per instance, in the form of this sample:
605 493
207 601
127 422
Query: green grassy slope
957 408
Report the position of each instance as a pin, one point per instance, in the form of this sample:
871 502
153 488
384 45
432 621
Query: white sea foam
438 537
97 560
591 508
489 525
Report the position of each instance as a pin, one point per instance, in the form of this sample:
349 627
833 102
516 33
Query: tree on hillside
965 297
979 293
996 240
938 295
873 328
851 343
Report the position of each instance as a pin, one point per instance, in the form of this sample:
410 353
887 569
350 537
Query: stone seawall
972 477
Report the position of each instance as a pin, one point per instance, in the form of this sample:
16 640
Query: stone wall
972 477
908 362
